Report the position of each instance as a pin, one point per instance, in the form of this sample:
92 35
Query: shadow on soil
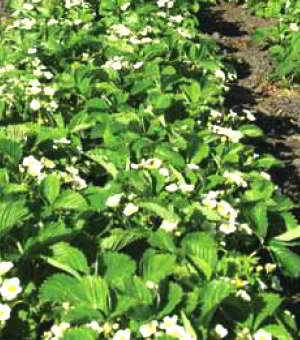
277 129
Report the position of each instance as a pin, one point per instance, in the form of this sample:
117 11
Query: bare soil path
277 109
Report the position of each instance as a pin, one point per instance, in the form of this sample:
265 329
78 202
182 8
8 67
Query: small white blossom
125 6
221 331
169 226
186 187
261 334
220 74
138 65
33 165
168 322
58 330
10 288
227 228
243 295
114 200
172 187
192 166
5 311
164 172
94 325
35 105
148 329
235 177
49 91
122 334
130 209
294 27
5 267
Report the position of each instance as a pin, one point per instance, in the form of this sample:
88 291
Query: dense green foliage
283 38
132 205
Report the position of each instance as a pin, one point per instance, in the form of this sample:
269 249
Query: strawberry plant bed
134 204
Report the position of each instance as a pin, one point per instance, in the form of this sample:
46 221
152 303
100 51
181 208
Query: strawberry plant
132 203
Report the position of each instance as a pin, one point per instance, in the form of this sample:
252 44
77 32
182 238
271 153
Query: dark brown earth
277 109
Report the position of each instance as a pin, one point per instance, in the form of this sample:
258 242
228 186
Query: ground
278 109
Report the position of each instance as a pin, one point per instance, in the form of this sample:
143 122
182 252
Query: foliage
132 204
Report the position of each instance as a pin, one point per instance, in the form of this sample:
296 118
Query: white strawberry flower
114 200
169 226
294 27
130 209
35 105
94 325
227 228
220 74
34 166
31 50
168 322
164 172
5 267
235 177
49 91
10 288
210 203
122 334
172 187
261 334
148 329
138 65
5 311
179 332
184 187
221 331
125 6
58 330
193 166
28 7
243 295
121 30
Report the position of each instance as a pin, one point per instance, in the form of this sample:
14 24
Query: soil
277 109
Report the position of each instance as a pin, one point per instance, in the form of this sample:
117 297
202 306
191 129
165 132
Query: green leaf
118 266
175 295
50 188
156 267
162 101
11 149
259 218
70 200
250 130
164 152
202 249
121 238
260 191
188 326
267 162
68 258
93 291
278 331
81 121
265 306
212 296
58 288
79 334
289 261
163 241
290 235
11 214
160 211
201 153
